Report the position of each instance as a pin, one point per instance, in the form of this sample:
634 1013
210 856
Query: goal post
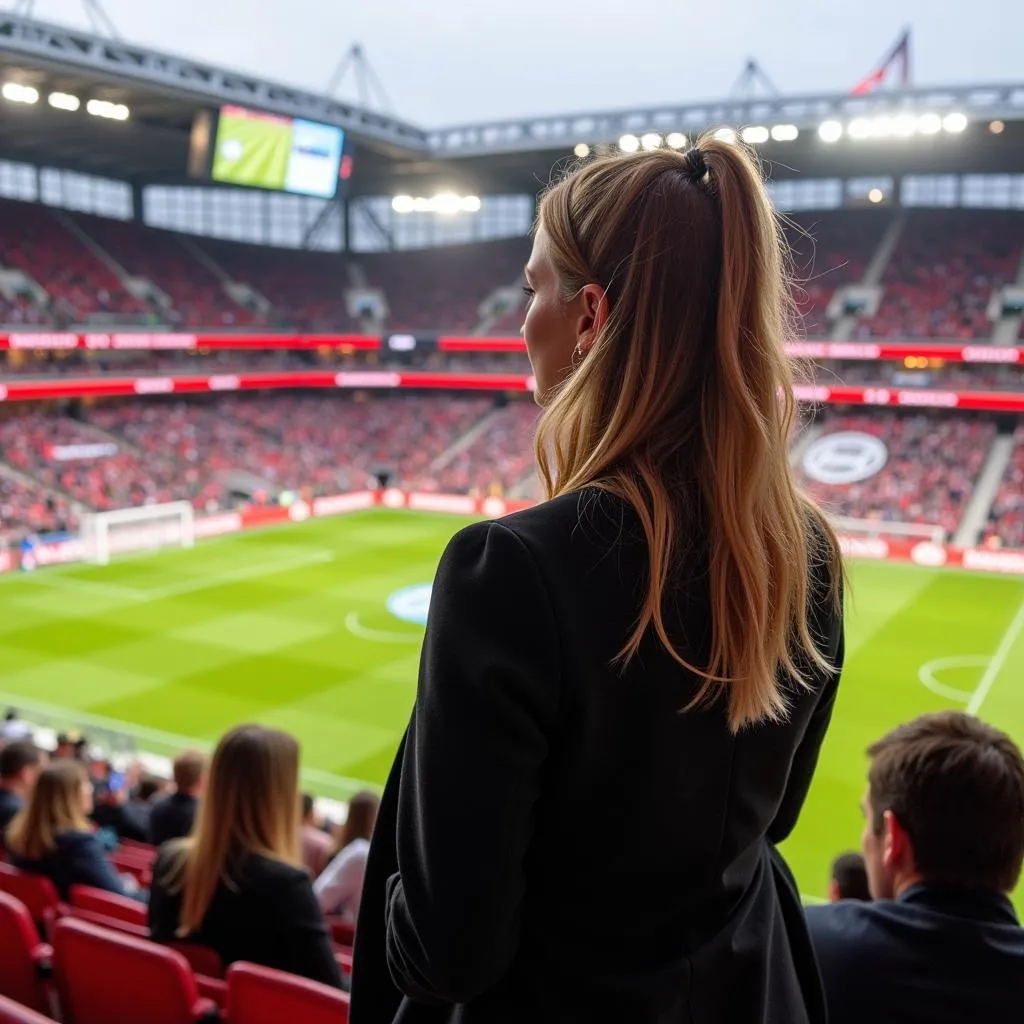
142 528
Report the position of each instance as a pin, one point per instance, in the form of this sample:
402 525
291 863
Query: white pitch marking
383 636
142 595
146 734
926 675
995 666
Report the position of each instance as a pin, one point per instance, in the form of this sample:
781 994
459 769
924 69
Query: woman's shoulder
261 872
75 839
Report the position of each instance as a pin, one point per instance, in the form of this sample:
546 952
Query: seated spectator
14 728
110 809
849 879
172 817
237 883
142 800
20 761
943 845
340 888
51 835
316 843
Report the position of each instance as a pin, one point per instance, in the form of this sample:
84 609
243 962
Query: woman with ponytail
623 690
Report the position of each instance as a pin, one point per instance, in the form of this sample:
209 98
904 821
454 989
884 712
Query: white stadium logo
411 603
845 457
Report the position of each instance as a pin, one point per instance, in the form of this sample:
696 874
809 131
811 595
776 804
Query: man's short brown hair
189 767
956 786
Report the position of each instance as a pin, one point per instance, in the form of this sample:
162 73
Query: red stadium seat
14 1013
99 901
104 976
259 995
23 957
209 970
343 932
37 893
129 863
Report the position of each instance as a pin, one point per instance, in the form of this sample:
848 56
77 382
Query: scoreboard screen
256 149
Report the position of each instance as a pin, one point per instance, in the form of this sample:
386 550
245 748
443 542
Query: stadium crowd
226 858
929 473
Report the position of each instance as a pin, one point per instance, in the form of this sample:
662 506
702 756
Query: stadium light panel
15 92
755 135
881 127
860 128
104 108
929 124
447 203
876 195
63 101
954 123
582 150
652 140
904 125
403 204
996 127
675 140
725 135
629 143
470 204
830 131
785 132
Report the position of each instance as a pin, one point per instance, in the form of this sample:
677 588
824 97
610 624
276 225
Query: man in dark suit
19 765
172 817
943 844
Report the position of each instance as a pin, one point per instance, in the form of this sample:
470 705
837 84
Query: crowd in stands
27 506
219 854
829 250
242 870
931 467
1005 525
943 272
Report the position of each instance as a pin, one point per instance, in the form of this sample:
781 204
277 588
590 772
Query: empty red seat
104 976
14 1013
109 904
259 995
37 893
23 957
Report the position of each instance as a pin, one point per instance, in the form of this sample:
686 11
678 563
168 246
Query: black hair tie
696 165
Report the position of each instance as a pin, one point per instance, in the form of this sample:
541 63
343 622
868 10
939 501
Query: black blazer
269 916
172 818
557 842
78 858
934 956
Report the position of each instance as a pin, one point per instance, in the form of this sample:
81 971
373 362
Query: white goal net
145 528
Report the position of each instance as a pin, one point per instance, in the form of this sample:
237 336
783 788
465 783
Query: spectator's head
362 816
66 742
308 809
60 801
657 317
849 879
20 761
945 804
189 772
149 786
250 806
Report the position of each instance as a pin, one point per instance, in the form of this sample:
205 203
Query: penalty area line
995 666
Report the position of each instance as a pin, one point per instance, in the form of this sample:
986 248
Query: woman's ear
593 303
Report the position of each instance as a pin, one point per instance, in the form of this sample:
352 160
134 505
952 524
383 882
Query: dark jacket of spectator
172 818
557 842
77 859
268 916
10 804
934 955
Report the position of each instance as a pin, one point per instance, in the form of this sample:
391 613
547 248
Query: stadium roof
164 92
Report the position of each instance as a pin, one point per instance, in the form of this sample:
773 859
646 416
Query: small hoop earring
578 354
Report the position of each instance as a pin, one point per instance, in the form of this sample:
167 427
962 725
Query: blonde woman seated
340 886
237 883
51 835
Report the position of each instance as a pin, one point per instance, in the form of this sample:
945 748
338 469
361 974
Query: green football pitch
291 626
252 151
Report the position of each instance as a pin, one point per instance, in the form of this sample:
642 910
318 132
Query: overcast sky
449 61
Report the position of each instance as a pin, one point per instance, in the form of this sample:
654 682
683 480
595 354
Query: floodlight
830 131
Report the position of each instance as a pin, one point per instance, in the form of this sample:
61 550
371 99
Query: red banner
164 341
922 398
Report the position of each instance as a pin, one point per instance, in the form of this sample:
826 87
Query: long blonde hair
684 404
250 805
54 806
